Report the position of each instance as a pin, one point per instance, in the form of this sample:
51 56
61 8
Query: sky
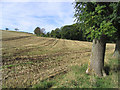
26 15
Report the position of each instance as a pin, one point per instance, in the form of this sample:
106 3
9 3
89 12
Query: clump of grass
105 82
44 84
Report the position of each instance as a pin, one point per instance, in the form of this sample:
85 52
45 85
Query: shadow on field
107 69
115 68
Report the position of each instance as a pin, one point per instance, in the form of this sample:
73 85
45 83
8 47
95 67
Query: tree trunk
96 63
117 49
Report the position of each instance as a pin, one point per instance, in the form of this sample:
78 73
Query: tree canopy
39 31
98 18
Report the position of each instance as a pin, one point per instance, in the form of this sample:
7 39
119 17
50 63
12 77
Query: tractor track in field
39 58
56 41
64 45
50 42
46 42
35 77
27 49
39 71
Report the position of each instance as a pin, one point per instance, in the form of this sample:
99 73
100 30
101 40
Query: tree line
71 32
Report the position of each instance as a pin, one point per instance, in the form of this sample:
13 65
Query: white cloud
28 15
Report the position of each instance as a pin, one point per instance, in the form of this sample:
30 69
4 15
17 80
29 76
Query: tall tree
6 28
98 26
52 34
57 33
48 34
16 29
65 32
39 31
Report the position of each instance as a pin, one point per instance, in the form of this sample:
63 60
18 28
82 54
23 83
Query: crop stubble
21 69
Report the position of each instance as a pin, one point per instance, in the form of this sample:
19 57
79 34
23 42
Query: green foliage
39 32
44 84
48 34
56 33
98 18
6 28
78 32
72 32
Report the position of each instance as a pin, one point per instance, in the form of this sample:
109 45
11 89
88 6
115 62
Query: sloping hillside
28 59
11 35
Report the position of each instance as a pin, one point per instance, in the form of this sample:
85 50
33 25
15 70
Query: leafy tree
52 34
39 31
77 33
6 28
72 32
57 33
16 29
48 34
95 17
65 33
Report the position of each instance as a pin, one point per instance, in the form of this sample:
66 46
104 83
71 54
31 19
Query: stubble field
29 60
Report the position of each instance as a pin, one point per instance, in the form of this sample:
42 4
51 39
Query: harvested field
28 59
